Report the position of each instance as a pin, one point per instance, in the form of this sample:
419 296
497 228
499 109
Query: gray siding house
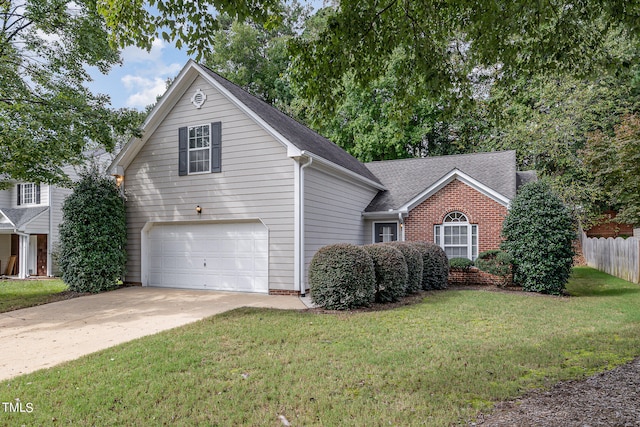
225 192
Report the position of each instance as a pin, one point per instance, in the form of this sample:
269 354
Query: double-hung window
457 236
200 149
28 194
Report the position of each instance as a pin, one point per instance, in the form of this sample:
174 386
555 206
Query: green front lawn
435 363
15 294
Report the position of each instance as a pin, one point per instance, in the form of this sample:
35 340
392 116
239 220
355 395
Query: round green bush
93 235
460 264
435 274
413 258
495 262
342 277
391 272
539 231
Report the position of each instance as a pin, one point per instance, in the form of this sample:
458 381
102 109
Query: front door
41 257
385 232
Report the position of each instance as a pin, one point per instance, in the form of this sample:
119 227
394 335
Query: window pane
455 217
27 194
385 232
463 236
199 152
456 251
199 160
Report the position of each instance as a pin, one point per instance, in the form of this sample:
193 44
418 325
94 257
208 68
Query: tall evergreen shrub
93 235
539 231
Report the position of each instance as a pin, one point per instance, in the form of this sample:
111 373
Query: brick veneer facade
458 196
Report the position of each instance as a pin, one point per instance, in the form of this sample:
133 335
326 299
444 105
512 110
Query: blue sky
143 75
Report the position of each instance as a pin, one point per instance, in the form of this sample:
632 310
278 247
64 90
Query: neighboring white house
30 214
225 192
29 218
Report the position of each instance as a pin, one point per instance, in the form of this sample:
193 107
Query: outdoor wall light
119 179
198 210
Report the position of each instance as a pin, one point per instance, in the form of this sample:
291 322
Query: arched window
457 237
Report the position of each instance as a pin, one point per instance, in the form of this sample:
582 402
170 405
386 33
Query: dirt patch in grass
610 398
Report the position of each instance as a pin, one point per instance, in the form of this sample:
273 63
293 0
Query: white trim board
450 177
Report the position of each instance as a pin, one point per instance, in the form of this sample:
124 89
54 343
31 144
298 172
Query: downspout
401 220
303 289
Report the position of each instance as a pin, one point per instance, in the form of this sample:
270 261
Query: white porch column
24 255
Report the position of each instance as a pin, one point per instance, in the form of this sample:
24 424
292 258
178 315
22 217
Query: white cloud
145 90
147 73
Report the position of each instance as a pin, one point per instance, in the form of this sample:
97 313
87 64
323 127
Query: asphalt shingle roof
405 179
20 217
295 132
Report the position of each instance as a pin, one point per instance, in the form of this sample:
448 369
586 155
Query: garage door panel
232 257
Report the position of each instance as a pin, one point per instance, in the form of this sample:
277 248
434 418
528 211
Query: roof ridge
443 156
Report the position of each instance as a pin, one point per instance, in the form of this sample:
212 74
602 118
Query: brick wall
457 196
610 228
475 277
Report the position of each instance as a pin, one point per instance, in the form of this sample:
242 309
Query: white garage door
226 257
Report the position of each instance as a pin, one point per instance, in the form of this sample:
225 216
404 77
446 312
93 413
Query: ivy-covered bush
93 235
539 231
391 272
342 277
413 258
435 266
463 264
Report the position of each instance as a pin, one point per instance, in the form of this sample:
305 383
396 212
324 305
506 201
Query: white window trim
373 229
190 150
23 187
438 234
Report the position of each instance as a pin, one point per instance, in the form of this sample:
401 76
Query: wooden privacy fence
618 257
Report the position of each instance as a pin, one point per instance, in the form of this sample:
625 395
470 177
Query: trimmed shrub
435 264
342 277
93 235
413 257
391 272
463 264
539 231
495 262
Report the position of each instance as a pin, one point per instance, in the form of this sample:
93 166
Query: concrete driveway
44 336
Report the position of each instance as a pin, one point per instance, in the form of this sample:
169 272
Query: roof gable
297 138
17 218
409 181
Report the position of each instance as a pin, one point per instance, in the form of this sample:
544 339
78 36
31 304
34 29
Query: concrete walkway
44 336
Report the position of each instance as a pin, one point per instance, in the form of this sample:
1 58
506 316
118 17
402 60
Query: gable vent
198 98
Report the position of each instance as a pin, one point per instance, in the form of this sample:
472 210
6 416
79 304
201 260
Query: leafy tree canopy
614 161
255 57
448 41
190 23
47 115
